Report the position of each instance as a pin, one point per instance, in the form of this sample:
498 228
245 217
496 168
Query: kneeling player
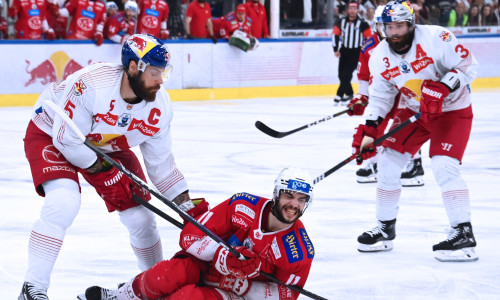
267 232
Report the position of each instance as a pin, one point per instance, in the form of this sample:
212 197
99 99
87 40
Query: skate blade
377 247
369 179
409 182
461 255
81 297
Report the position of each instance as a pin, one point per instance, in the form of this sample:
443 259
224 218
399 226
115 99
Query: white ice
220 152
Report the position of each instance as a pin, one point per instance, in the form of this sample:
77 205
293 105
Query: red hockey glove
164 33
50 34
362 144
111 184
228 264
234 284
98 38
431 102
357 105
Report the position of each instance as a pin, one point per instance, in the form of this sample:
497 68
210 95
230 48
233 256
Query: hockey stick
278 134
375 143
59 111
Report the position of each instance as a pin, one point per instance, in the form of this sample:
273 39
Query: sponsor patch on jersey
79 88
33 12
404 66
248 242
143 127
189 239
108 118
152 12
307 242
245 196
292 247
245 210
235 242
391 73
276 248
88 14
239 221
445 36
124 120
421 64
368 44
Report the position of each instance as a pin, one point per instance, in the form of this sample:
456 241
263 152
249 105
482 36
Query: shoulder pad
246 197
368 44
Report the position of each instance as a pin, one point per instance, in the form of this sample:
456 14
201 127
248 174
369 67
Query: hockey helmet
399 11
146 50
111 5
295 180
131 5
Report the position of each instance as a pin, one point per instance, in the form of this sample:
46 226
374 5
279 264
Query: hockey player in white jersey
433 72
117 107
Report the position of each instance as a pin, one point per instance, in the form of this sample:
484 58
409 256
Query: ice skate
379 238
336 100
98 293
413 174
31 291
459 247
345 100
367 174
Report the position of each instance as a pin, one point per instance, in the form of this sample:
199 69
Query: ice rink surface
220 152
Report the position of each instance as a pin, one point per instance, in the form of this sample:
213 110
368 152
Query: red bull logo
445 36
139 43
55 69
79 88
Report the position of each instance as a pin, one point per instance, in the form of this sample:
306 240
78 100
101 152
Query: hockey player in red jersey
433 72
31 23
413 175
121 25
87 19
225 26
153 16
3 25
267 232
117 107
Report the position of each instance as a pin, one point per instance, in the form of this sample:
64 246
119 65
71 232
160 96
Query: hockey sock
144 236
454 190
61 205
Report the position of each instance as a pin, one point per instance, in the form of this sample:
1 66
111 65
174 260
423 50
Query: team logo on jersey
248 243
445 36
129 106
404 66
292 247
124 120
79 88
257 234
307 242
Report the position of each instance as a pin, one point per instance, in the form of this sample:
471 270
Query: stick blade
269 131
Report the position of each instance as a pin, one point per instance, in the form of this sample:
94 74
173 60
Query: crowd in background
168 19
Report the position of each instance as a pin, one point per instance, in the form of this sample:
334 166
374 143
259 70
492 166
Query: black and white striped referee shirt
350 34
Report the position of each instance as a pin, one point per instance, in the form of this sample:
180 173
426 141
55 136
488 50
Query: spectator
87 19
434 14
3 24
59 23
348 35
474 17
458 17
153 16
199 21
488 18
121 25
370 18
422 13
497 13
445 6
257 13
31 23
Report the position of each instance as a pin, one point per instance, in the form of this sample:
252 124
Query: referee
348 36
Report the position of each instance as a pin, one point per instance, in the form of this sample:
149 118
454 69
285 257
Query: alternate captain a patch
292 247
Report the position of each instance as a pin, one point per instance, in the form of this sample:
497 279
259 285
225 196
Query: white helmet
296 180
111 5
132 5
378 14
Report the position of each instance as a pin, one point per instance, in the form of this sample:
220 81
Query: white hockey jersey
91 97
435 51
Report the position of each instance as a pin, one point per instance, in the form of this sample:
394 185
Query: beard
140 90
404 44
277 211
